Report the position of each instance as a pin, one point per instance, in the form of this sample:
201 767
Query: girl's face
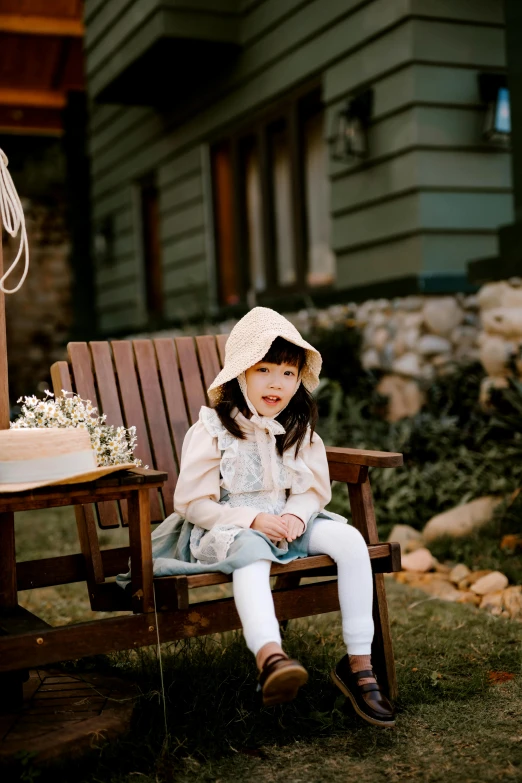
270 386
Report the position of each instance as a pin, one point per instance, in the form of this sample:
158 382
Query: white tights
347 547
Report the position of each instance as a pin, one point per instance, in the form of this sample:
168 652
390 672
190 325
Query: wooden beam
42 98
31 120
41 25
122 633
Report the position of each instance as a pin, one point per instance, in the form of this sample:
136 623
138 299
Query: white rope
13 221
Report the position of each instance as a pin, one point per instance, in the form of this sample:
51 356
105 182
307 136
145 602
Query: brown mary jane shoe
368 701
280 679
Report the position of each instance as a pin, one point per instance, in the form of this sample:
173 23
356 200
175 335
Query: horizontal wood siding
433 193
430 185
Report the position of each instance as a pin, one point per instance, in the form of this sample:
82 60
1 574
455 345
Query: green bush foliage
454 451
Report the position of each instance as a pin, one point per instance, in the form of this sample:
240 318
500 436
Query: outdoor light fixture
495 94
350 138
104 242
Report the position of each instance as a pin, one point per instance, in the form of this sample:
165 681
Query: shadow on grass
458 716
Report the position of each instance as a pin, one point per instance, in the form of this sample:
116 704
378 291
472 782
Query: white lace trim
242 468
211 546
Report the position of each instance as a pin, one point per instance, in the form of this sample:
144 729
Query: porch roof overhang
41 60
164 49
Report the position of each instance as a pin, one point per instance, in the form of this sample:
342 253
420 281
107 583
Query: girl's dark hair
300 412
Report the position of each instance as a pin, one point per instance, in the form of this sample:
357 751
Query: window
271 205
151 253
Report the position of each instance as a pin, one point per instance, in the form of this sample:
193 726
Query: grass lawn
460 708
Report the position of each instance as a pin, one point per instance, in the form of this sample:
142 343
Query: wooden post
4 385
11 686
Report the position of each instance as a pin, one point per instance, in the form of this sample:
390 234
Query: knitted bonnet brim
250 340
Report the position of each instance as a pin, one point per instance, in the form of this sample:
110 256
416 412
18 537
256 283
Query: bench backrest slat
156 418
221 340
189 366
133 409
81 365
208 357
173 392
106 382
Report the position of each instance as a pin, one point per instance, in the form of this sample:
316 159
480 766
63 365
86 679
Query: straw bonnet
250 340
40 457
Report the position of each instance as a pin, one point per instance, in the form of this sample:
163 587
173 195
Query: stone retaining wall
412 340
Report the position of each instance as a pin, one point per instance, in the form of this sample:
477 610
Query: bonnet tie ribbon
13 220
267 448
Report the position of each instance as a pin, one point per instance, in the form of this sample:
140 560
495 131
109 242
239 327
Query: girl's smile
271 386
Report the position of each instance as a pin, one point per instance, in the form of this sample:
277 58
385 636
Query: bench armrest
370 459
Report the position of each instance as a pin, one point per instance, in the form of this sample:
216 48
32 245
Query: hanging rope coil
13 220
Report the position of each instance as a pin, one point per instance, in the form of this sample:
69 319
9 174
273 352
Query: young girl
251 491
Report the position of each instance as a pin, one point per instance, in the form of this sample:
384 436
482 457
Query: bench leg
382 649
11 684
141 552
363 517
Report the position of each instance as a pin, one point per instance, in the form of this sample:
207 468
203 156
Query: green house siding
428 199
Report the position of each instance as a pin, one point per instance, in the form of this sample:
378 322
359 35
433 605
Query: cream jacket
213 462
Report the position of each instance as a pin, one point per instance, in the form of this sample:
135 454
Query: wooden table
15 621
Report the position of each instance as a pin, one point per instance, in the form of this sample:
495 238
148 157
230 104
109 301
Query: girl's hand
271 525
295 526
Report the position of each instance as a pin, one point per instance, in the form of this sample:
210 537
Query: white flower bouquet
112 445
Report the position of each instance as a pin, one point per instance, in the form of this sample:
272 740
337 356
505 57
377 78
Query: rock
467 597
492 295
474 576
410 337
434 584
441 361
370 359
407 364
420 560
427 372
471 302
464 335
413 320
492 602
495 352
409 303
512 297
430 344
491 583
443 569
404 396
379 319
379 338
458 573
512 601
462 520
405 535
399 345
506 321
442 315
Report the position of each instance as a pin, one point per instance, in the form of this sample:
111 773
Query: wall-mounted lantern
104 242
350 137
494 94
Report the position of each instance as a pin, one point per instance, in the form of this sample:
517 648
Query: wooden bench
159 387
